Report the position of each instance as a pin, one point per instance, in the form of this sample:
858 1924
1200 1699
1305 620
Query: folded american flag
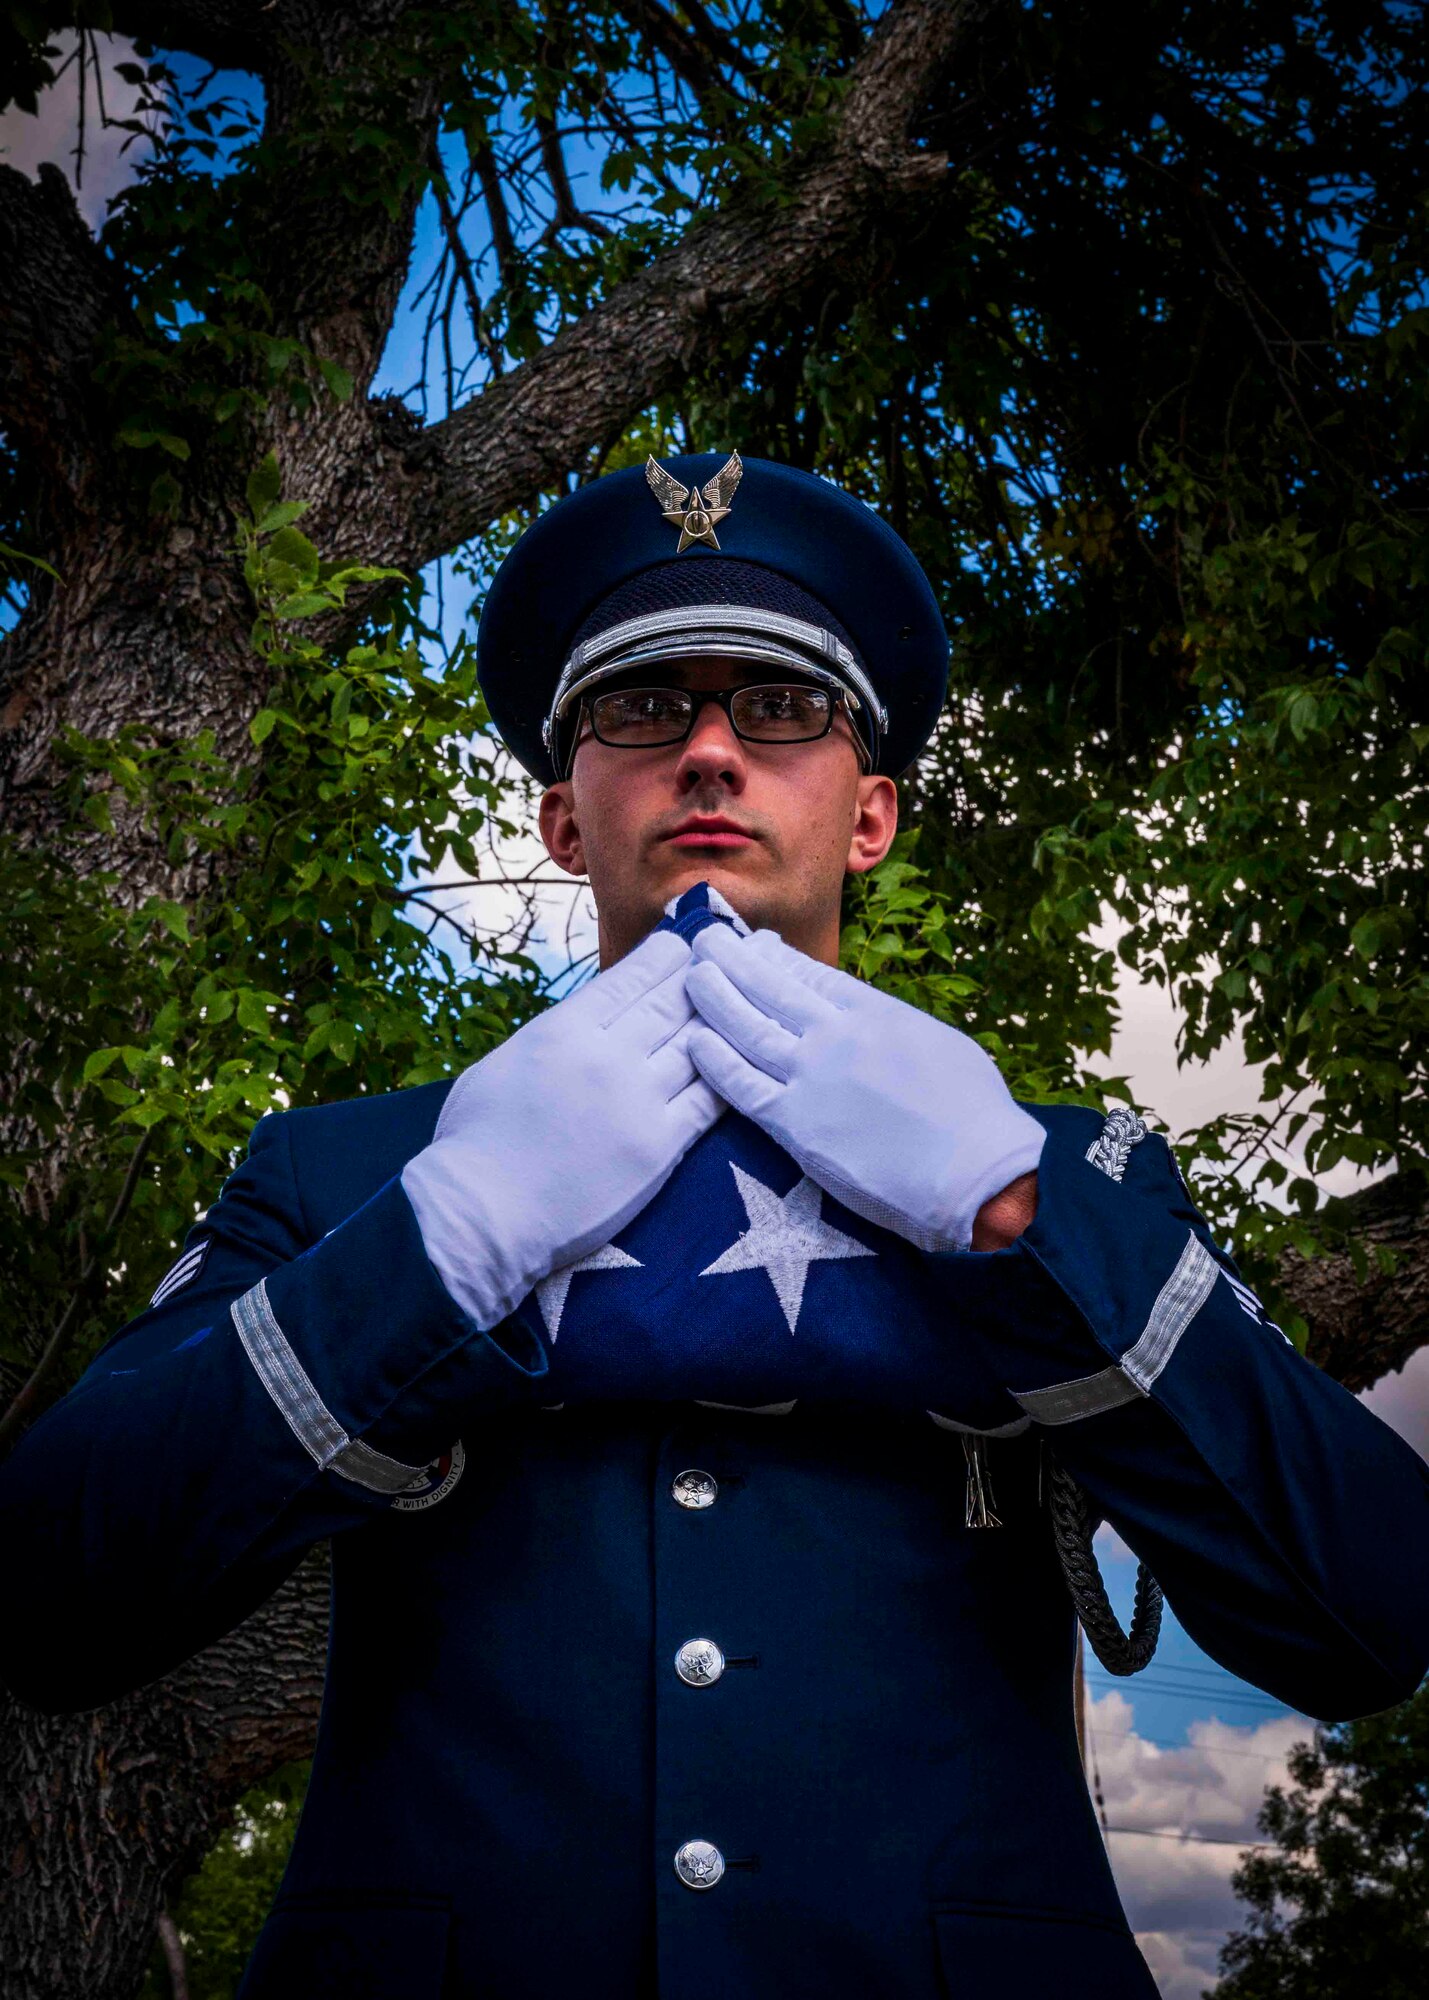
744 1284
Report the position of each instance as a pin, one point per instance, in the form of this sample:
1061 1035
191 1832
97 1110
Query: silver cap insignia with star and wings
694 512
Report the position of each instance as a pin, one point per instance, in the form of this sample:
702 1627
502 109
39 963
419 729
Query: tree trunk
107 1812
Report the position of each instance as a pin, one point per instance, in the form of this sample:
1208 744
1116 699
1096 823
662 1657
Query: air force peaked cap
711 554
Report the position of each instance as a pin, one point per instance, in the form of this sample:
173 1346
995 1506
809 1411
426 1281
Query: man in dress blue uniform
636 1377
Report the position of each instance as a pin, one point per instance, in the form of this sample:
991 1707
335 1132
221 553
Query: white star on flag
551 1292
786 1234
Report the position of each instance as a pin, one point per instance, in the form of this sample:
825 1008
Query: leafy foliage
900 934
1340 1905
302 978
1148 403
221 1907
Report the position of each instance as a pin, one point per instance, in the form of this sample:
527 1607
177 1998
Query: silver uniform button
699 1864
699 1663
693 1488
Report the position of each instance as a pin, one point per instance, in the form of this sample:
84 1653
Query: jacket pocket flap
988 1953
373 1947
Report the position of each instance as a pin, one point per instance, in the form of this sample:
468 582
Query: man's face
773 826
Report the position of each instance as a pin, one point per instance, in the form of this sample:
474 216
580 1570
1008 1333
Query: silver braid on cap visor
733 631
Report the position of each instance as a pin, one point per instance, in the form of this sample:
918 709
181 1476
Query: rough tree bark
1360 1332
103 1813
151 625
103 1810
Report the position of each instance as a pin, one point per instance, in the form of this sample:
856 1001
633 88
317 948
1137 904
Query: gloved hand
549 1145
903 1119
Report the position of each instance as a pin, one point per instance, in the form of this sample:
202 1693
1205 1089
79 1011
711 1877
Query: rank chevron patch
182 1273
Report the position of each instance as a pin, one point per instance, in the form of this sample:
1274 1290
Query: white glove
901 1118
551 1144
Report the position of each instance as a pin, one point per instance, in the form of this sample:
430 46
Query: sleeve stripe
366 1466
1177 1303
306 1415
285 1378
1088 1396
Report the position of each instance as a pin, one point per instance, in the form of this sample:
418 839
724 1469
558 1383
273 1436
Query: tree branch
1359 1332
715 41
497 216
730 271
686 53
457 251
567 215
174 1958
27 1401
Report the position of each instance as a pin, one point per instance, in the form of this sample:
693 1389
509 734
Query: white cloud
1179 1821
111 157
1143 1050
1402 1401
1183 1963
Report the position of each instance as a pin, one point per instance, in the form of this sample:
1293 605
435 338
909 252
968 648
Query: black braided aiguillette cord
1119 1652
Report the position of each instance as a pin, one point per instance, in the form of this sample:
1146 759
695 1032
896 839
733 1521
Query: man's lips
711 832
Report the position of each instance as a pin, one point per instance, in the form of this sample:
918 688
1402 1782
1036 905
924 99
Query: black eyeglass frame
725 697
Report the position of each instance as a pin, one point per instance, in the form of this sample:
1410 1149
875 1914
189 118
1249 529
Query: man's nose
711 753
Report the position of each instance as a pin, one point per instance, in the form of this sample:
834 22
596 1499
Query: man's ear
875 824
557 821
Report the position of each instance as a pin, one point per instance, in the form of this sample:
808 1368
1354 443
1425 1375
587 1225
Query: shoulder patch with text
434 1482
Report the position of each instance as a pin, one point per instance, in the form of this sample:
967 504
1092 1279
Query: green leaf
339 382
263 724
165 495
19 555
140 440
282 515
152 1111
306 604
252 1013
173 916
291 545
1302 714
167 1023
264 486
317 1041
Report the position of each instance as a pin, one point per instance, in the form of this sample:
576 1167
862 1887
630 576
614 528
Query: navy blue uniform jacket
508 1761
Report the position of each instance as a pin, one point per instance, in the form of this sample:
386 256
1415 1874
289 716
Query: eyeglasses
647 718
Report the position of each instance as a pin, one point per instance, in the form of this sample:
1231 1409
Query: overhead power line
1198 1839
